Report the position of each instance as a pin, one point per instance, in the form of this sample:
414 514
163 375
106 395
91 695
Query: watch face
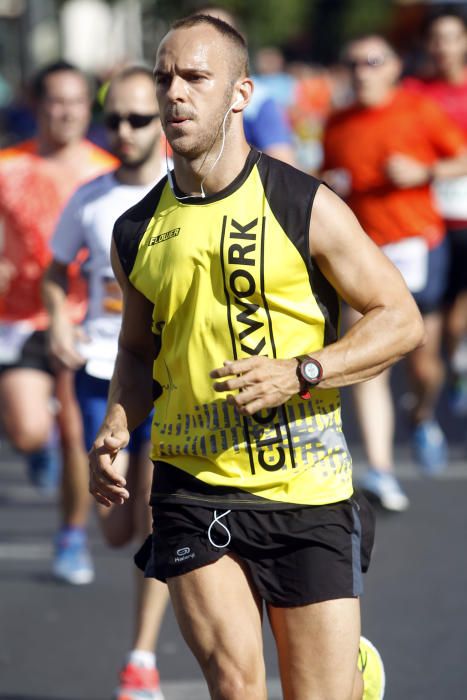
311 371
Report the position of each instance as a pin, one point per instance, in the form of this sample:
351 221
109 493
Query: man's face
374 69
131 116
65 109
447 42
194 85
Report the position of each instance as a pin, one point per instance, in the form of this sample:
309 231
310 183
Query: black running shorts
295 557
34 355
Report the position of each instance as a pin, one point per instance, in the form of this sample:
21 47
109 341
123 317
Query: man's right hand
105 483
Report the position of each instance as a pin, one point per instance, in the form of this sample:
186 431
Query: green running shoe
371 665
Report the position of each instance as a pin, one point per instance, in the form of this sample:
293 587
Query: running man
446 46
37 177
133 130
389 145
231 270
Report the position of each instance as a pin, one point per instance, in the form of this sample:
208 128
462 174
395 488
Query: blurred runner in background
134 132
446 82
36 179
382 154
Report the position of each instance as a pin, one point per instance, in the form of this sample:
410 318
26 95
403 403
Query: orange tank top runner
33 191
360 140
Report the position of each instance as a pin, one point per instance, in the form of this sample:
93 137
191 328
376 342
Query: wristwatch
309 373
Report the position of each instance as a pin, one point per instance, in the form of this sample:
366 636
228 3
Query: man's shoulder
21 149
19 155
285 173
98 154
343 115
407 99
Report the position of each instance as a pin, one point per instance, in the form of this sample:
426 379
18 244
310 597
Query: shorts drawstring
217 520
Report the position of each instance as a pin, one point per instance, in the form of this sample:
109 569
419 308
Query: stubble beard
141 159
208 143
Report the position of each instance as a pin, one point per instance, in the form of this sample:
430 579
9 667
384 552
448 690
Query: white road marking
197 690
25 551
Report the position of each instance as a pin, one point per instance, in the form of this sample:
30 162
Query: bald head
202 84
237 50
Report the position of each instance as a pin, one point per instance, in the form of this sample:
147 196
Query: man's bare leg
426 369
219 614
25 408
318 650
120 525
75 497
375 412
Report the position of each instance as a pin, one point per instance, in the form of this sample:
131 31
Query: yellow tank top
231 276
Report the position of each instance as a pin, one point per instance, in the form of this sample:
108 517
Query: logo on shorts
183 554
164 236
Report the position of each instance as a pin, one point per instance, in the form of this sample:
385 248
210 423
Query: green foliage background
326 23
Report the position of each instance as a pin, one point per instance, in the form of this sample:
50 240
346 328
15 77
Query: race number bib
451 197
410 256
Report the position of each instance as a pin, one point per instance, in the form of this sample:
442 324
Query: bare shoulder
333 223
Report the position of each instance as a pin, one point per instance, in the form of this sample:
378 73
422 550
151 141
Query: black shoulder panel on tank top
132 224
290 194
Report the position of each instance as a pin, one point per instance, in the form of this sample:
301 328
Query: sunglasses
136 121
369 62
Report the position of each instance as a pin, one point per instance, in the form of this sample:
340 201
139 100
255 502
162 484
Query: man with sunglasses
134 135
391 144
232 269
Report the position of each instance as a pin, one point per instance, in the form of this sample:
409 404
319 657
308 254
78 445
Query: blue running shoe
72 561
384 489
429 446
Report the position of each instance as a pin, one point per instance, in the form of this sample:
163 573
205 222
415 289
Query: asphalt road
66 643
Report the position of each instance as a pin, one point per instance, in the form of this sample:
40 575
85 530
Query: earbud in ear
237 102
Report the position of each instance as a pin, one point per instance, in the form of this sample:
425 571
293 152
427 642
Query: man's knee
27 435
115 527
231 681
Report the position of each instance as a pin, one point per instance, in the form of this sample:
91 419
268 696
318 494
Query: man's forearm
449 167
54 290
130 393
375 342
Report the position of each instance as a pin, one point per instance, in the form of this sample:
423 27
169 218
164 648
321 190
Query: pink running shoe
138 683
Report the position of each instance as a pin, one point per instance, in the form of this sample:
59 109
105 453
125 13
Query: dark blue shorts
431 297
92 396
34 355
457 281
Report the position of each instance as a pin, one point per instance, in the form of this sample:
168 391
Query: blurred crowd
392 142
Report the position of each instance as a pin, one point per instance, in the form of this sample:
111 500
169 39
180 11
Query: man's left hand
261 382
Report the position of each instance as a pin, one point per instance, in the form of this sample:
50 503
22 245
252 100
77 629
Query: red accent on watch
306 383
304 391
